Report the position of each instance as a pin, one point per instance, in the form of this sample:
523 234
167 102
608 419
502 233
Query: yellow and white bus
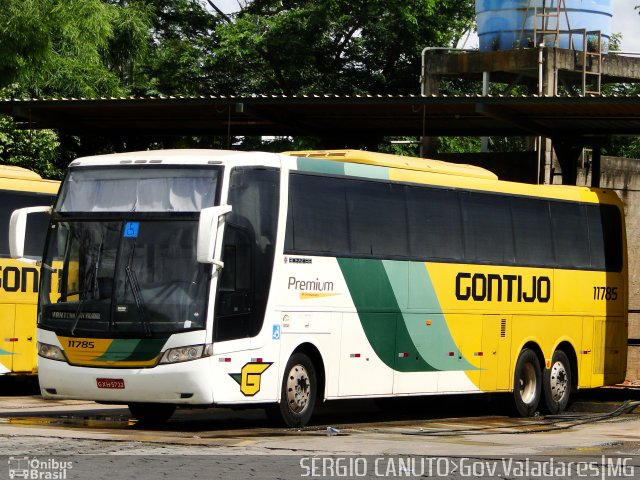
19 283
195 277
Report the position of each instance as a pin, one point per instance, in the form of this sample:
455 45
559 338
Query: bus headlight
185 354
51 352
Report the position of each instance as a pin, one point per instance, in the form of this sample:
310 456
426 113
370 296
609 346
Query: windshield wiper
90 283
137 297
81 301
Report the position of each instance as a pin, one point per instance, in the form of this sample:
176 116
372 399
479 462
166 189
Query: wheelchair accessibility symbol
276 332
131 230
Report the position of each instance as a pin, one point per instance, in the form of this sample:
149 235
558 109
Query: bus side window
249 247
235 279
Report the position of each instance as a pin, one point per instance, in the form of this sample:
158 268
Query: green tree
334 46
181 49
75 48
36 150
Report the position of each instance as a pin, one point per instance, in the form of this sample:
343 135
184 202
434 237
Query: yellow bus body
19 187
491 334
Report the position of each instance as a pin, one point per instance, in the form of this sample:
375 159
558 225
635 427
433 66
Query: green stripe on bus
366 171
147 349
433 342
314 165
330 167
131 350
119 349
380 315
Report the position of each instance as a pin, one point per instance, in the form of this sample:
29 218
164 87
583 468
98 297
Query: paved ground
347 439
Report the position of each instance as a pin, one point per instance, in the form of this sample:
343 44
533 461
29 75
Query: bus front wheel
151 413
527 384
557 383
298 393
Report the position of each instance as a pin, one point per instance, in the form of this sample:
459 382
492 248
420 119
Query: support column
596 157
548 87
429 145
486 82
568 151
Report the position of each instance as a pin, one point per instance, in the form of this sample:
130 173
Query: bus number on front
605 293
80 344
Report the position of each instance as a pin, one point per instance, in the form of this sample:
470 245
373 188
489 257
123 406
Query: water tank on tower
508 24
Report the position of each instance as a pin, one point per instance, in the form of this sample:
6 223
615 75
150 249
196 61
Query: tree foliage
75 48
97 48
334 46
181 49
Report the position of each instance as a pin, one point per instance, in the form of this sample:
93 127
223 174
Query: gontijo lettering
479 287
16 279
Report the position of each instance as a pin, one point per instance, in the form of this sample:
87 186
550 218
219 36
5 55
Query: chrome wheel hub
527 384
298 389
559 381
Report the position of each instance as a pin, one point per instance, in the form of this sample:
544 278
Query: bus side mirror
18 232
211 219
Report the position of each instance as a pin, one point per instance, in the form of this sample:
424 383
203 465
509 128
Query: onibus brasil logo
35 468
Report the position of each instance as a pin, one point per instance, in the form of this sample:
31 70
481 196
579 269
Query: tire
152 413
557 383
527 383
298 393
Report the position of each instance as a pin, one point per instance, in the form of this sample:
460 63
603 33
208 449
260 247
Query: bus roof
171 156
22 179
11 171
397 161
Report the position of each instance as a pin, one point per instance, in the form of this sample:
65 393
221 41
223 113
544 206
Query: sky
625 20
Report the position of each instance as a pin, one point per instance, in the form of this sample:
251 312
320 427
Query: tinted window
317 215
249 248
377 219
605 237
36 225
435 223
532 232
347 217
570 235
488 233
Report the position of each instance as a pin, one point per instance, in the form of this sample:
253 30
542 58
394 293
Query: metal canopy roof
333 116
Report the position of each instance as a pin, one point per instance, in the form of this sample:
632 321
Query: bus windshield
121 252
123 278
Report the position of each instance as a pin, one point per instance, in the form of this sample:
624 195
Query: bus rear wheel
298 393
151 413
557 383
527 383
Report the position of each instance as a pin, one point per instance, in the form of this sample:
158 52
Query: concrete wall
623 176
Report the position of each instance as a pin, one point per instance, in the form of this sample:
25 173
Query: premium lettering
480 287
309 285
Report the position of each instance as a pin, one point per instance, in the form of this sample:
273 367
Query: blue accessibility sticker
275 335
131 230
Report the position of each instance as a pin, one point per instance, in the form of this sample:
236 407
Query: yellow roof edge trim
396 161
11 171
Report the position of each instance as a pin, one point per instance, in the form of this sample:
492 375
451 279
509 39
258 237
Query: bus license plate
110 382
